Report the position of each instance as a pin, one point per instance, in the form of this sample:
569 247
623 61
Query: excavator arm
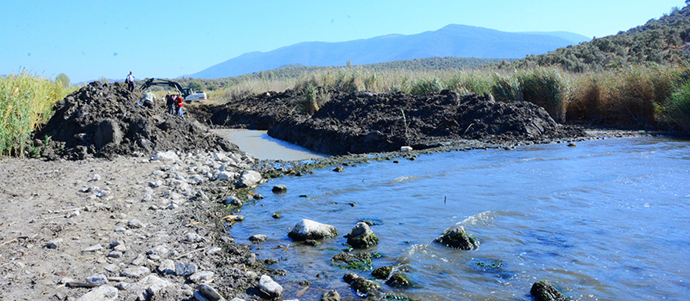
164 82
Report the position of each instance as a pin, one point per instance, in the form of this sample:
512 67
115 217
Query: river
606 220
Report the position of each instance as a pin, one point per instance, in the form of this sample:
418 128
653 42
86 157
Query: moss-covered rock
399 280
362 237
382 272
362 286
353 261
545 291
456 237
330 296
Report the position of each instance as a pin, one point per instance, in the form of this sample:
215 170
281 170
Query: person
178 105
130 81
149 99
170 103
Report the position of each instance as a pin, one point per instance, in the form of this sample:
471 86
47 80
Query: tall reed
26 101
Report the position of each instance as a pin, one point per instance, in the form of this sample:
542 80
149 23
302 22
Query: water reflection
265 147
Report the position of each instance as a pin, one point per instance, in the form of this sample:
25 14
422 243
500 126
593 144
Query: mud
103 120
364 122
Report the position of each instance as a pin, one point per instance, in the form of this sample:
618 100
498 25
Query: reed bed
26 101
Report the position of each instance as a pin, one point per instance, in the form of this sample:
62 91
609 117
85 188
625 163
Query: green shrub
675 113
506 88
546 88
426 86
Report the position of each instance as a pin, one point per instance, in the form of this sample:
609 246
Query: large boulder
362 237
309 229
457 238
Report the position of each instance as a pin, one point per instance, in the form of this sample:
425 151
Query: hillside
449 41
663 41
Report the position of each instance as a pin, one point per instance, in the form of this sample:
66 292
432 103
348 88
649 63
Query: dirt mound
364 122
105 119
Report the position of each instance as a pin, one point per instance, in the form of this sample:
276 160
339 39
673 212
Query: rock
226 176
135 224
209 293
362 237
192 237
135 272
572 144
160 250
353 261
308 229
362 286
231 200
330 296
99 279
102 293
153 285
270 288
184 269
382 272
201 276
276 215
167 267
456 237
53 244
339 169
114 254
545 291
213 250
93 248
166 156
257 238
398 280
249 178
107 132
405 148
279 189
221 157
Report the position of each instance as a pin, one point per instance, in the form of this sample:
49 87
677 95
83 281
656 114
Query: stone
330 296
226 176
338 169
257 238
153 285
398 280
456 237
362 237
545 291
231 200
209 292
192 237
309 229
213 250
167 267
54 244
102 293
382 272
270 288
362 286
93 248
201 276
353 261
99 279
184 269
135 272
249 178
115 254
135 224
279 189
166 156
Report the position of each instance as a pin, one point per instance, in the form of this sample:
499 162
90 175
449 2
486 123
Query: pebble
184 269
201 276
213 250
167 267
135 224
192 238
257 238
209 292
93 248
99 279
135 272
54 244
102 293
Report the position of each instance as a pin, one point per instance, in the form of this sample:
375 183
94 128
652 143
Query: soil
364 122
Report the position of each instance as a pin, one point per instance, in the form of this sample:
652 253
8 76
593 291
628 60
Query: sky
91 39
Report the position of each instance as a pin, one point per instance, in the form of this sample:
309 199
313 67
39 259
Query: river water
606 220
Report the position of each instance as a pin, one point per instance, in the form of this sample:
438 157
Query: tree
63 80
195 86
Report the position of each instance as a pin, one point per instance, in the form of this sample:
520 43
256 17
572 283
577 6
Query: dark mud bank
364 122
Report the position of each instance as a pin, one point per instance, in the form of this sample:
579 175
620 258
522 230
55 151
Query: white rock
153 284
225 176
167 267
102 293
135 272
209 292
405 148
269 287
201 276
166 156
309 229
249 178
220 157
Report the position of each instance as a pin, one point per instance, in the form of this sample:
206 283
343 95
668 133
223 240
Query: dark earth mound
363 122
102 120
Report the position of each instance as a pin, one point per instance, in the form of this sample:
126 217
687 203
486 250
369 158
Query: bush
675 113
426 86
546 88
506 89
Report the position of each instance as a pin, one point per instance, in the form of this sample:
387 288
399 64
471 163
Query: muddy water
264 147
606 220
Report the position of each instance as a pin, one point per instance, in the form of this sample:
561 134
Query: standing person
130 81
178 105
170 103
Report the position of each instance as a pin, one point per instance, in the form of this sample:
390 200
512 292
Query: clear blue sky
91 39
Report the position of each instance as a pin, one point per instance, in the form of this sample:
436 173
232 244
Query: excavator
187 94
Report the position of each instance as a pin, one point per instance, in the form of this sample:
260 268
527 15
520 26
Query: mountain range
449 41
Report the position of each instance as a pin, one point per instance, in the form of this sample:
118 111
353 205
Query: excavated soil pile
102 120
364 122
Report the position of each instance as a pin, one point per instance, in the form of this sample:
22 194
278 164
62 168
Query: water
265 147
605 220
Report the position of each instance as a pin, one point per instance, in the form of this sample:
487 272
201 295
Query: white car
199 95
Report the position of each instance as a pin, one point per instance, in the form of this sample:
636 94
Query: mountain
574 38
665 41
449 41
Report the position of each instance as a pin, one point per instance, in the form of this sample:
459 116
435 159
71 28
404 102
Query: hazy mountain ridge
449 41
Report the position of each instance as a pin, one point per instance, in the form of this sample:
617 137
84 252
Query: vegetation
26 101
63 80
